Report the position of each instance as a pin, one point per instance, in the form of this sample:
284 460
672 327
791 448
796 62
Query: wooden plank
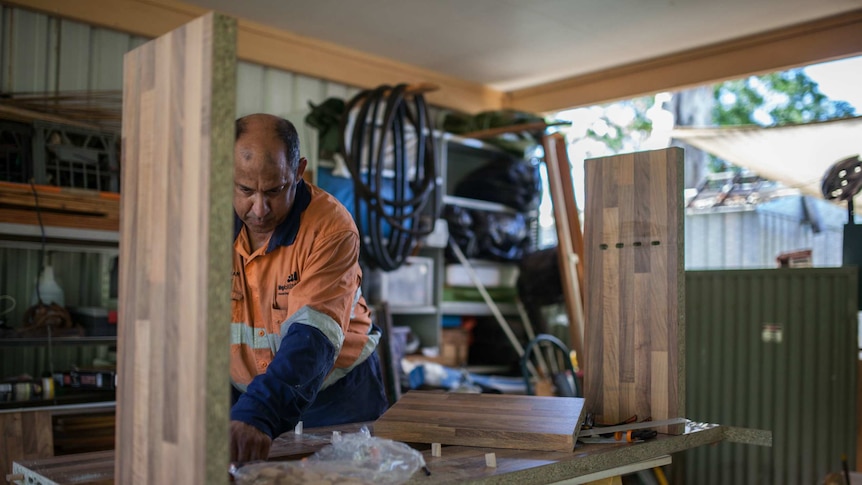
61 200
820 40
570 240
175 246
634 335
26 436
491 420
456 464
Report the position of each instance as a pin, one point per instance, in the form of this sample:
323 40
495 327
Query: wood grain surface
175 255
491 420
570 239
635 285
455 465
24 435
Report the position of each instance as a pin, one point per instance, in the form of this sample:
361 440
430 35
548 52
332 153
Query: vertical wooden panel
175 246
25 435
634 334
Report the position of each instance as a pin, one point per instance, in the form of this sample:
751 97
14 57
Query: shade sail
796 155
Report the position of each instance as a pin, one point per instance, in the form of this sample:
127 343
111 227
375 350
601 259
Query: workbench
457 464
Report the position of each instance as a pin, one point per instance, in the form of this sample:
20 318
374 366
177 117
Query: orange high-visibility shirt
307 274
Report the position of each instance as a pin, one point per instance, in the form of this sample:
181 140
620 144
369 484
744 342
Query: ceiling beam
275 48
808 43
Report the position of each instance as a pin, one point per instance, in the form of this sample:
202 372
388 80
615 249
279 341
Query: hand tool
600 430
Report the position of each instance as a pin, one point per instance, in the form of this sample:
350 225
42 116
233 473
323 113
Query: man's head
267 168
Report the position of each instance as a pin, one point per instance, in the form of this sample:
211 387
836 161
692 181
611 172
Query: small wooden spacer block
491 460
298 428
15 477
436 449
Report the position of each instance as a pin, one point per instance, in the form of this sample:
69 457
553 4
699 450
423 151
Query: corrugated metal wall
39 53
797 378
753 238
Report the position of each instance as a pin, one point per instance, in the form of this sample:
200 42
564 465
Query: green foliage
778 98
617 137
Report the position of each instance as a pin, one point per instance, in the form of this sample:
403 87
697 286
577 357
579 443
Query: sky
839 80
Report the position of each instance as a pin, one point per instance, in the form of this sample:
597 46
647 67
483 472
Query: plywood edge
222 115
677 154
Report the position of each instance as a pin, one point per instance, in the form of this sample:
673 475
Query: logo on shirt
292 280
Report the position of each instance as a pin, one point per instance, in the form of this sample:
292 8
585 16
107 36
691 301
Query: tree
778 98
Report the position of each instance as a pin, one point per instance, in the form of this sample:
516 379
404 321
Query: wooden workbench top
458 464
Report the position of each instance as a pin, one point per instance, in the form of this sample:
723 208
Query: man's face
264 185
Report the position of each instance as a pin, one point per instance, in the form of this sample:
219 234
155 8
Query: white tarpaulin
796 155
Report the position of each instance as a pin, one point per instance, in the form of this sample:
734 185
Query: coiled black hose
390 225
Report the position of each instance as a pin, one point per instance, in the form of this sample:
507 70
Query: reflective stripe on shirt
242 334
373 339
318 320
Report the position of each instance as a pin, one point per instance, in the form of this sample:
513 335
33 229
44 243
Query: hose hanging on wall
388 145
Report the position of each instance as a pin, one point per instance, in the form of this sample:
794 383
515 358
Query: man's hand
247 443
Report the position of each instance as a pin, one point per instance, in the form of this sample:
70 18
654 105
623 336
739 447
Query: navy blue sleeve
275 400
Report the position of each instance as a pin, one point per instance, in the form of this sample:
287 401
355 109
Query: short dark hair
285 131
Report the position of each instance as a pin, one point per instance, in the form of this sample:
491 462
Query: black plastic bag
494 236
513 183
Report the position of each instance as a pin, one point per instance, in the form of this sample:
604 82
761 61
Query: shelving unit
76 250
58 341
457 156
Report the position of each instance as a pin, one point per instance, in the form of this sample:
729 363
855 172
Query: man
302 342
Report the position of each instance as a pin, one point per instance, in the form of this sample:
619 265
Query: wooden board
570 240
26 435
59 206
175 256
635 287
457 464
492 420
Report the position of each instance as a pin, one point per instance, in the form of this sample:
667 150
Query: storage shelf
70 402
477 204
476 308
58 237
412 310
475 143
64 341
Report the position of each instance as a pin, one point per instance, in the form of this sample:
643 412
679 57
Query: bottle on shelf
47 289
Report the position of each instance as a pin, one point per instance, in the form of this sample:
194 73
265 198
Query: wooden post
570 241
175 256
635 333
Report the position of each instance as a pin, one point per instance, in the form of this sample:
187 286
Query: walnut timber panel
635 285
175 245
492 420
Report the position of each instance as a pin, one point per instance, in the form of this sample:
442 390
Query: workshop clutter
410 285
60 155
453 351
350 458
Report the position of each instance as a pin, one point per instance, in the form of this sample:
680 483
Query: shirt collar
285 233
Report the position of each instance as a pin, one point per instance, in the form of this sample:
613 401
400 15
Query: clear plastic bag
355 458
